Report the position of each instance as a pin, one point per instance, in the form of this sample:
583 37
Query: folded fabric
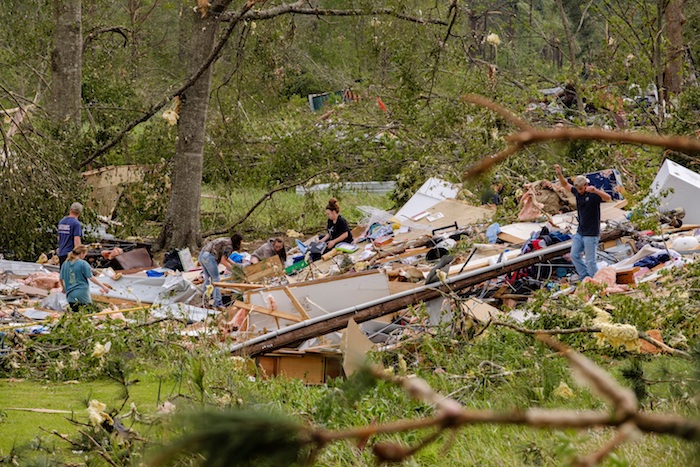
492 232
653 260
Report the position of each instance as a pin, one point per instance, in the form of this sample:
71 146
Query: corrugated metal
369 187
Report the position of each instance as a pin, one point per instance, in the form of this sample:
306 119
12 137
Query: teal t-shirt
75 275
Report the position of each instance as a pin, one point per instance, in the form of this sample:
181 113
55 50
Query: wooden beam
300 309
336 322
238 285
409 252
267 311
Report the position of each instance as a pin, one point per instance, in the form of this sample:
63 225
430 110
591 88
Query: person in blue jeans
588 199
215 252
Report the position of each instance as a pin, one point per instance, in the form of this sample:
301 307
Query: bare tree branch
233 18
532 135
92 35
507 115
451 415
299 9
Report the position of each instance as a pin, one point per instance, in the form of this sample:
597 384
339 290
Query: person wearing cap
70 231
588 199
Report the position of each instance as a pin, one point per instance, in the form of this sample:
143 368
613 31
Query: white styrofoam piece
686 190
428 195
21 268
163 290
181 311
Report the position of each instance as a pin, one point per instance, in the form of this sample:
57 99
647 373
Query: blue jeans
588 246
210 269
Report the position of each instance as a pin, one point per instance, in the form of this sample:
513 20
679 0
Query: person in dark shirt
588 199
70 231
338 229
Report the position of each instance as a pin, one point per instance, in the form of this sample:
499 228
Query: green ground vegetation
123 363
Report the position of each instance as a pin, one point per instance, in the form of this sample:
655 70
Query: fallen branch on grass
591 329
263 198
451 414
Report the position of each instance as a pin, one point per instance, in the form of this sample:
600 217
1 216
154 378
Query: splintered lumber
408 252
268 267
238 285
300 309
267 311
338 320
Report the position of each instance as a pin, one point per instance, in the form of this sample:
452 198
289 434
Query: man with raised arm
588 199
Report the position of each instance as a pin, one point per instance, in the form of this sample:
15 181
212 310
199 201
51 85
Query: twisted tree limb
529 135
451 414
244 13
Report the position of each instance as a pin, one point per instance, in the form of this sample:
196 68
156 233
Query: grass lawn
18 428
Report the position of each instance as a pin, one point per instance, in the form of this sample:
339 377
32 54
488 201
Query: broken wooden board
481 311
310 367
355 346
267 311
268 267
406 254
32 291
482 262
238 285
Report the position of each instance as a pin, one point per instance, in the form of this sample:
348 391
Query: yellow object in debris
43 259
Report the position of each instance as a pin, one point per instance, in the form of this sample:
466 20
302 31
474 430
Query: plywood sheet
108 183
268 267
355 346
447 212
318 297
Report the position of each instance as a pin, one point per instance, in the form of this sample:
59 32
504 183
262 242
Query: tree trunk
674 34
66 63
182 228
658 65
572 57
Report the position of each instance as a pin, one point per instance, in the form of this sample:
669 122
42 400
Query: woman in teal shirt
75 274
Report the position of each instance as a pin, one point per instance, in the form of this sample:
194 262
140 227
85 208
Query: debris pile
326 309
